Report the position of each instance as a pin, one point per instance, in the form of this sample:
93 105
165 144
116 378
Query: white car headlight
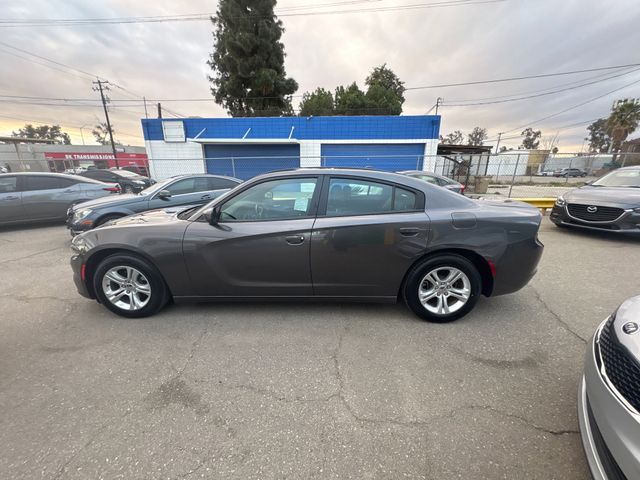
560 201
79 244
138 182
80 214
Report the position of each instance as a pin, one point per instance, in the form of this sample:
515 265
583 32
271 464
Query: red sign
124 158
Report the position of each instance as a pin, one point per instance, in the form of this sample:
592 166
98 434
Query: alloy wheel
126 288
444 290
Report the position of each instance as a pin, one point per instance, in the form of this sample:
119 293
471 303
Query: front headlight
138 182
79 244
81 214
560 201
636 210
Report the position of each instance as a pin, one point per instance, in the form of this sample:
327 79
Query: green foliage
44 132
319 102
248 75
599 139
101 134
531 138
623 120
477 136
384 96
454 138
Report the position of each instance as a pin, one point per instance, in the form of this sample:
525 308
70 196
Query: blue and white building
248 146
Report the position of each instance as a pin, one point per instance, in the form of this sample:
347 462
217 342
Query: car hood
111 200
152 217
607 196
627 326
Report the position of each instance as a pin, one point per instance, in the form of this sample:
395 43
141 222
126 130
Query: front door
260 246
366 237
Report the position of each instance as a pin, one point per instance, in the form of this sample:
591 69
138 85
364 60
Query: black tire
418 273
158 293
107 218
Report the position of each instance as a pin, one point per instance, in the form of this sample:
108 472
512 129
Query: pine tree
249 78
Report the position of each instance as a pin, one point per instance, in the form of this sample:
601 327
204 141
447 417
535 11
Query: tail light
115 189
462 187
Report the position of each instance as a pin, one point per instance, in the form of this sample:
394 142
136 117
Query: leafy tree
350 100
454 138
599 139
624 119
531 138
44 132
385 92
319 102
247 62
101 134
477 136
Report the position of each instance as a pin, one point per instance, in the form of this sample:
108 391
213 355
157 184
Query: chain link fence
517 174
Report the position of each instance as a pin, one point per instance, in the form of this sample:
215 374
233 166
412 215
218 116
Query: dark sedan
611 203
320 234
46 197
436 179
173 192
130 182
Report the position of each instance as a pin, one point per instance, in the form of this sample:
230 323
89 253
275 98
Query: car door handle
11 198
295 239
205 196
410 231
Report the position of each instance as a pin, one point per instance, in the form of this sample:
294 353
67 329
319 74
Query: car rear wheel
442 288
129 286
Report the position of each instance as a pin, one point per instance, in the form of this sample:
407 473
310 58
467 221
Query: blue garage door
246 161
391 157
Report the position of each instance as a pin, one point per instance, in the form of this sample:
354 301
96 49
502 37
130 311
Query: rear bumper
517 266
610 431
77 262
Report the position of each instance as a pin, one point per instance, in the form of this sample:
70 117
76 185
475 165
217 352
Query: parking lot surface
299 391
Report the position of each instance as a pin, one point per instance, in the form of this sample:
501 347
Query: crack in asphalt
558 318
32 255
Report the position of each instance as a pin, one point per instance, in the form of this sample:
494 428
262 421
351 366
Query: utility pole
159 110
144 99
101 89
439 101
498 142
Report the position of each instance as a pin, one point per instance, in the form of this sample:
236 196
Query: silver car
35 197
436 179
609 396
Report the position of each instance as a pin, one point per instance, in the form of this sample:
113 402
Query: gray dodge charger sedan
320 234
609 396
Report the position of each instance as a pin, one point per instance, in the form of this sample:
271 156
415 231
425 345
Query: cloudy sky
424 46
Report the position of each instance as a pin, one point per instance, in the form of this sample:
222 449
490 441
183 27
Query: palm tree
624 119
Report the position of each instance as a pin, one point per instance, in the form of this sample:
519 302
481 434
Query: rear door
365 237
260 246
48 196
10 200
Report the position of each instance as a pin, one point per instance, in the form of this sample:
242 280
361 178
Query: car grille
602 214
623 371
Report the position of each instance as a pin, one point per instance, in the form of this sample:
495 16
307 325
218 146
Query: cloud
424 47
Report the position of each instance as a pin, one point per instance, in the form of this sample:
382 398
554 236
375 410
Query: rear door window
363 197
42 182
220 183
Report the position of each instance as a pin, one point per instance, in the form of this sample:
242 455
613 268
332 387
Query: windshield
620 178
125 173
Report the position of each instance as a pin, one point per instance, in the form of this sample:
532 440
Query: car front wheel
129 286
442 288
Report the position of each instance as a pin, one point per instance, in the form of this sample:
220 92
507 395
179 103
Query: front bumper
610 430
77 227
629 222
77 265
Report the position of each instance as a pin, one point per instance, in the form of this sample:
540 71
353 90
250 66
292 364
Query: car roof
42 174
190 175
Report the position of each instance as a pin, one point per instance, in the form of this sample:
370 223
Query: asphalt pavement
299 391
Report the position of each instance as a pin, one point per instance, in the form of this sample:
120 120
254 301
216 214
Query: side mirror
214 216
164 195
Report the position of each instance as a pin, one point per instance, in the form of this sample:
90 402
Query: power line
13 23
566 89
526 77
